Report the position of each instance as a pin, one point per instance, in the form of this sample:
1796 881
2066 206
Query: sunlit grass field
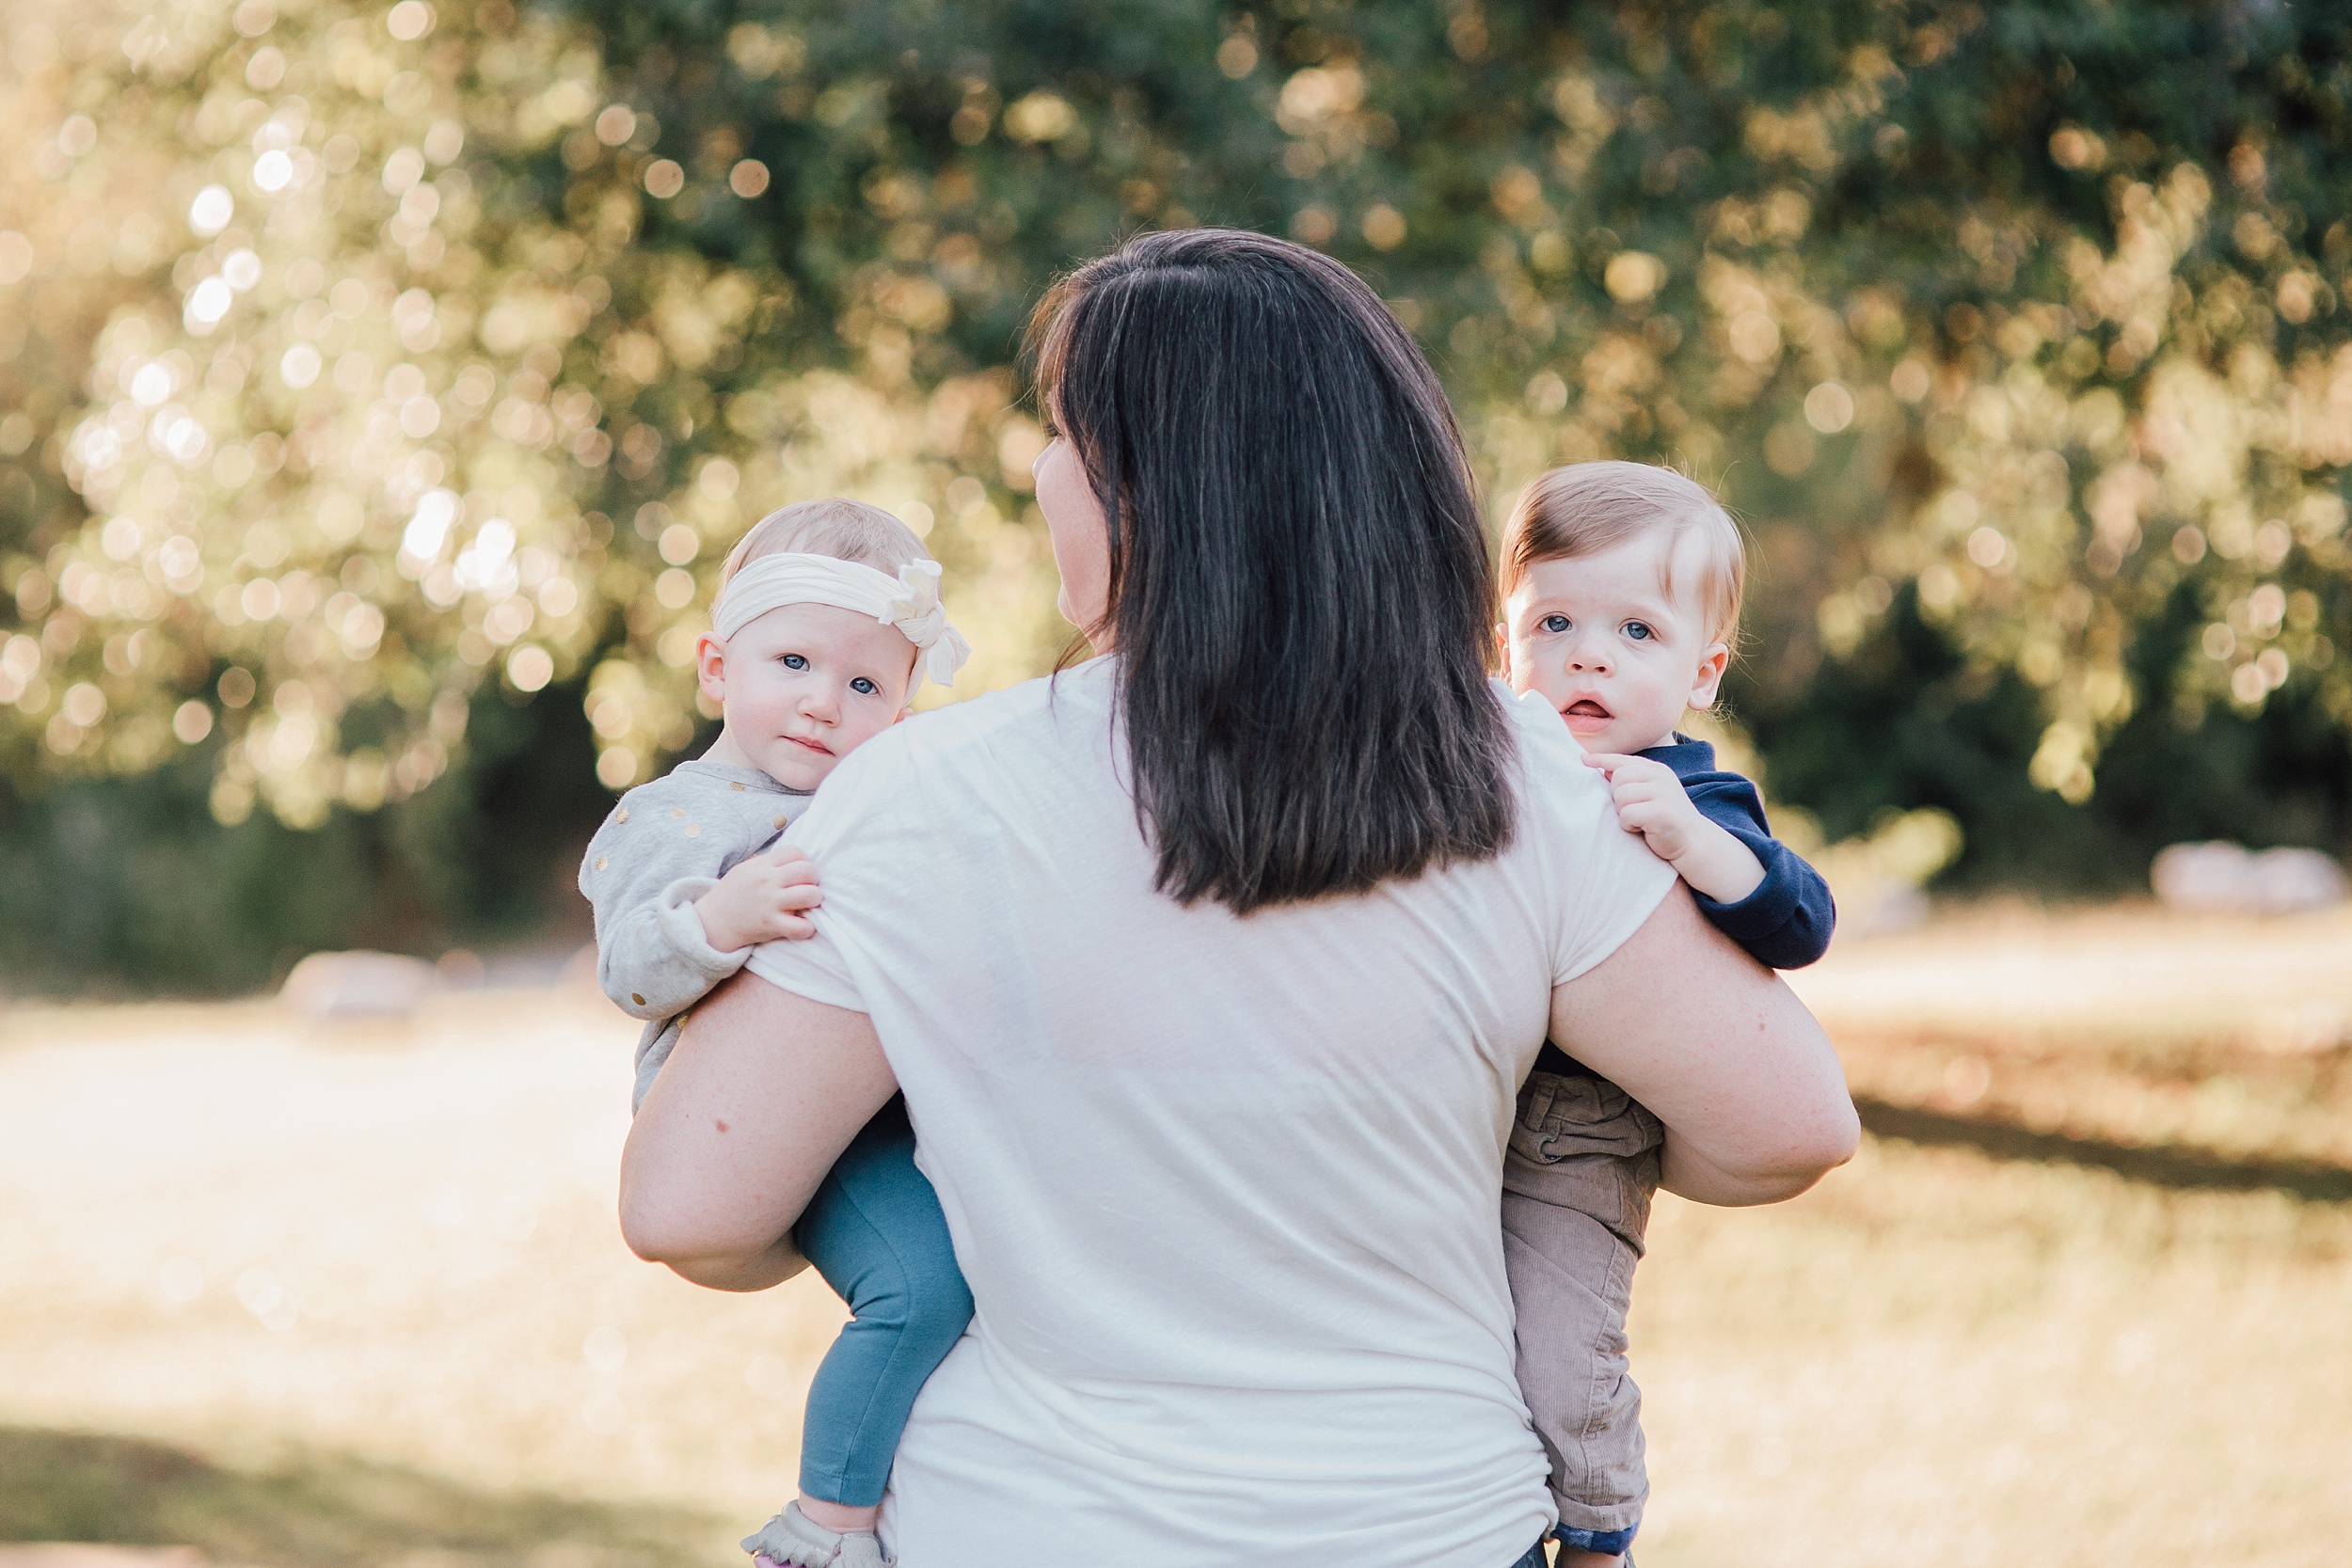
302 1294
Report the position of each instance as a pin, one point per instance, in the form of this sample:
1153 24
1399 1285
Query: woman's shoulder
949 753
1009 727
1549 757
1563 801
1599 881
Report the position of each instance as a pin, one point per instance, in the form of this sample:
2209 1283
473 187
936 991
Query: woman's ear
1709 678
711 667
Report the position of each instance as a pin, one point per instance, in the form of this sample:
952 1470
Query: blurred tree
367 362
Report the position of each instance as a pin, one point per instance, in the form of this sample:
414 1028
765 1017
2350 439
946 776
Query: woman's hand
1753 1097
762 1093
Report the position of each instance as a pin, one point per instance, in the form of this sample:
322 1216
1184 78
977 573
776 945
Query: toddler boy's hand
766 898
1651 802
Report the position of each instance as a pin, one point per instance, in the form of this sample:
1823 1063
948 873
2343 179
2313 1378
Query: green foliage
127 885
1906 721
2024 321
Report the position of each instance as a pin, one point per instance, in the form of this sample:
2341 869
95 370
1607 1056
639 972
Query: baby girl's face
803 686
1618 657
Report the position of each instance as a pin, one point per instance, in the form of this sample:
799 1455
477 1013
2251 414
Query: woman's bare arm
1753 1097
758 1098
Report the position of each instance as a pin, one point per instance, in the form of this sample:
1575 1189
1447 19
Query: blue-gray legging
875 1232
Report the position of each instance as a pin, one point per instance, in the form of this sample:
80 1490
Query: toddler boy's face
804 685
1617 656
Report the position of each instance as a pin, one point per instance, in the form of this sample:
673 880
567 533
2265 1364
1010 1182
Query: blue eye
1552 624
795 662
865 687
1639 631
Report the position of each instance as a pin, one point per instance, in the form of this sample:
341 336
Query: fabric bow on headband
909 602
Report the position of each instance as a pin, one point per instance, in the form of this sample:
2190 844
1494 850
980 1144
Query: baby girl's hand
1650 801
766 898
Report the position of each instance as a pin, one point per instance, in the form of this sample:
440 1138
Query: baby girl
828 618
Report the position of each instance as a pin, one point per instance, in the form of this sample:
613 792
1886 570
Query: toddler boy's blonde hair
844 530
1586 508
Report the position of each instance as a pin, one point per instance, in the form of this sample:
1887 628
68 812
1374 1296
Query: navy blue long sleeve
1785 923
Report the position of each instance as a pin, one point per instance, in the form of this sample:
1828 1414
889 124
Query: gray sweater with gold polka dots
666 845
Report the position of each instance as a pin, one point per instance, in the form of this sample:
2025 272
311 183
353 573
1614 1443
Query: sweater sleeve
1786 922
653 960
641 875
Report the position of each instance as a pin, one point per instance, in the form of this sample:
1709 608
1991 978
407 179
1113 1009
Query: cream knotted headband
909 601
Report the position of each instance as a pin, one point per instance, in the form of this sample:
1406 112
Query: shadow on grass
2193 1169
318 1512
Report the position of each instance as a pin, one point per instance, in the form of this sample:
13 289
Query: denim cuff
1613 1542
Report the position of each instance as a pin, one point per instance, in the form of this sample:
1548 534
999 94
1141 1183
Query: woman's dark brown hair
1300 596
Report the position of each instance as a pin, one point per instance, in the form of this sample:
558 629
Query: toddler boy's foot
793 1540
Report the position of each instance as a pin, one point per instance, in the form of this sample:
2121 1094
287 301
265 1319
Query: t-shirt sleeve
856 834
811 967
1603 882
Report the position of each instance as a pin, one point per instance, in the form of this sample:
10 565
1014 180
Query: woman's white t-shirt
1227 1190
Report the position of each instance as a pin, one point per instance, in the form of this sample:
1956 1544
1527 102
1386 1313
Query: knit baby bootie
793 1540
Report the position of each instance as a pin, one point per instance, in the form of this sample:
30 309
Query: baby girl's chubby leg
876 1233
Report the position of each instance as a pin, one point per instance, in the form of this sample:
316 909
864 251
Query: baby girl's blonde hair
1585 508
844 530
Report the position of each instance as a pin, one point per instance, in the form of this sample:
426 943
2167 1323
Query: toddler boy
1621 589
